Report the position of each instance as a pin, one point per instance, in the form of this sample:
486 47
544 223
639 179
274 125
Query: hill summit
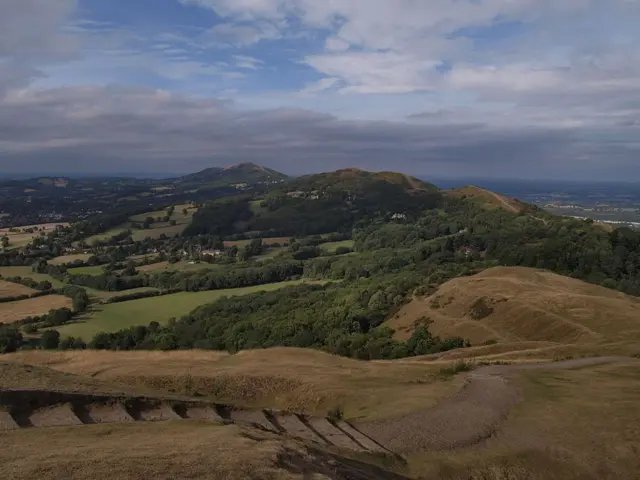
249 173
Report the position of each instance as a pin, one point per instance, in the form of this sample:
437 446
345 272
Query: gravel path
471 416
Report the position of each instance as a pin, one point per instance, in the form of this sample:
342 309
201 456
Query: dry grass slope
487 198
304 381
515 305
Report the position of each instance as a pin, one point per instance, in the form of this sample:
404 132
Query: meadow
331 247
116 316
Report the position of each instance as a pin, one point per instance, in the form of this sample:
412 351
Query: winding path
472 415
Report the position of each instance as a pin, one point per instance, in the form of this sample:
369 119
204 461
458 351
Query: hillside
508 305
130 415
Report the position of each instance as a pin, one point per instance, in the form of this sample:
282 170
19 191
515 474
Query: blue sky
519 88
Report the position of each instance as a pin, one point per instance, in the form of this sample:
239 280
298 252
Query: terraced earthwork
38 409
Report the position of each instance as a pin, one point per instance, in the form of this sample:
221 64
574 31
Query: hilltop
506 305
487 199
243 173
356 180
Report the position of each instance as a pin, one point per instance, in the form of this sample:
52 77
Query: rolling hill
512 305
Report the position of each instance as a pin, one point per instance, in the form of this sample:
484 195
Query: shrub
458 367
481 309
335 414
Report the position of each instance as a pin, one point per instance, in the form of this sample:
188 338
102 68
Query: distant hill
356 180
248 173
514 304
322 203
487 198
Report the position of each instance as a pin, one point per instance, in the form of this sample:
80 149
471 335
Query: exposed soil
472 415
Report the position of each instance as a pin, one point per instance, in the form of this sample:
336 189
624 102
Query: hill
357 181
510 305
487 199
243 173
318 204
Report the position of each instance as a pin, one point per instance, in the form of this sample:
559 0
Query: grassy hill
487 199
511 305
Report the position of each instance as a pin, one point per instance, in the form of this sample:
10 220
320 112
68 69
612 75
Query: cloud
249 63
31 32
100 129
226 34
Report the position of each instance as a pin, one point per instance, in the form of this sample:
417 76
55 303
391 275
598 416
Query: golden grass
163 450
306 381
486 198
9 289
13 311
528 306
582 423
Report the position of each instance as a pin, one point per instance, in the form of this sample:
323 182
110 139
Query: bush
335 414
458 367
50 340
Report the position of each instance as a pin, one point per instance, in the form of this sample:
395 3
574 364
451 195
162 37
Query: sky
486 88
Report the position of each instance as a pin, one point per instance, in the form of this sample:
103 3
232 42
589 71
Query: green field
70 258
155 231
101 237
331 247
116 316
182 266
25 272
91 270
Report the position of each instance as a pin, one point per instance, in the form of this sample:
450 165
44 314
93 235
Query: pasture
116 316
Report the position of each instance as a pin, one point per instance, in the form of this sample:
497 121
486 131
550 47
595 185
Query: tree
50 340
10 338
5 241
130 269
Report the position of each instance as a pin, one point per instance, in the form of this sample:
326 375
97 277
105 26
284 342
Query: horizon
448 88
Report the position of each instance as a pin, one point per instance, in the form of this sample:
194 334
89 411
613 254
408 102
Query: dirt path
504 202
472 415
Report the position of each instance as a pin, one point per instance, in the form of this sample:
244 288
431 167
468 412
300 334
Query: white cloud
247 62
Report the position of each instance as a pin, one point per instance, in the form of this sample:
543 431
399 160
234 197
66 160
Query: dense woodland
409 238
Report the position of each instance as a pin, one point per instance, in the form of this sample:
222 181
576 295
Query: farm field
26 272
13 311
265 241
9 289
331 247
181 266
21 238
116 316
91 270
70 258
